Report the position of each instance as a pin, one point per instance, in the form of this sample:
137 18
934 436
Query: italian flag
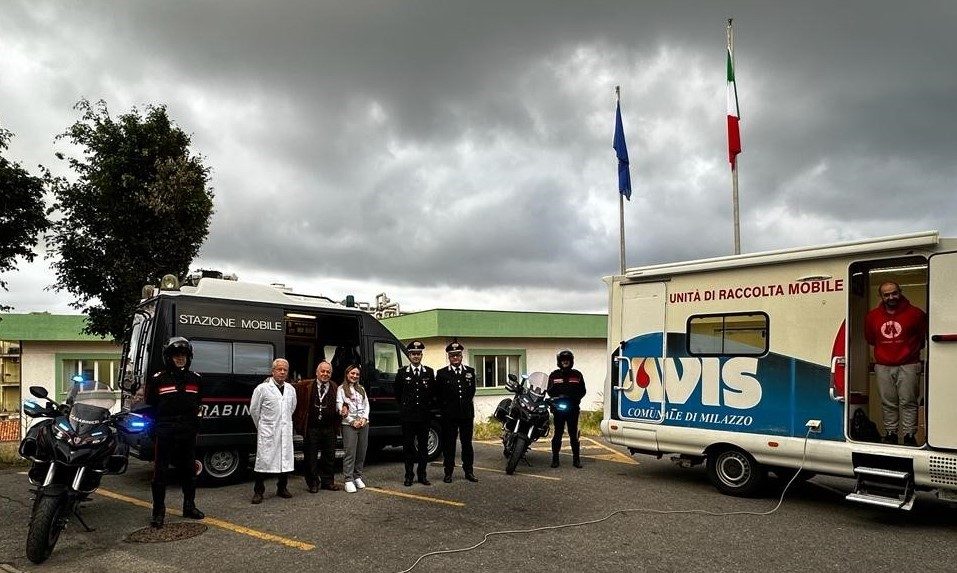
734 116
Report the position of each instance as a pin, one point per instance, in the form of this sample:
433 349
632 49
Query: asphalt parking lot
387 527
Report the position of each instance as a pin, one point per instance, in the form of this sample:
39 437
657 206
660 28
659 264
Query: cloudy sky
458 154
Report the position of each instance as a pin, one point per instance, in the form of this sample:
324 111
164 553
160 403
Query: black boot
159 505
576 455
190 511
555 463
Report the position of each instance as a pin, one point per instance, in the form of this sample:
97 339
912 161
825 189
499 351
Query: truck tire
45 527
222 465
435 441
735 472
521 444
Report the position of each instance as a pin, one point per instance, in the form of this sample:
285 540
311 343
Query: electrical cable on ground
622 512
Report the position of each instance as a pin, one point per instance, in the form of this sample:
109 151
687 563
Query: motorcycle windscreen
85 417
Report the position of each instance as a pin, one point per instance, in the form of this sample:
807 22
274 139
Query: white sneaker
350 487
360 484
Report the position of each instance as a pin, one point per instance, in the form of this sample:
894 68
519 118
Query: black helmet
565 355
177 346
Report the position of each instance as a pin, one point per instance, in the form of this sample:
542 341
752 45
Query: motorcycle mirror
39 391
513 377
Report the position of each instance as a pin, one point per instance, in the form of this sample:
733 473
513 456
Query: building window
9 377
104 369
95 369
492 370
736 334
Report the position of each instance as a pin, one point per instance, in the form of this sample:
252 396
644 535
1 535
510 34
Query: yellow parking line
620 456
418 497
216 522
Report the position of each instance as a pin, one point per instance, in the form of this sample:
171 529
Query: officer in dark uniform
176 396
568 383
414 385
456 389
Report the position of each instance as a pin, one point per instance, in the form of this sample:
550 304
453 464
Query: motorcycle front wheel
45 527
518 450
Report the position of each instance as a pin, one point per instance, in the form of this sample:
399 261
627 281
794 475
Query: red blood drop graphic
643 378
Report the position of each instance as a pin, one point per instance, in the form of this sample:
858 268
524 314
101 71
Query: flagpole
734 167
621 212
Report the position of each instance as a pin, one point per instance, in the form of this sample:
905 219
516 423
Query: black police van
237 329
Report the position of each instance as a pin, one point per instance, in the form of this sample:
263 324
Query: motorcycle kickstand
76 514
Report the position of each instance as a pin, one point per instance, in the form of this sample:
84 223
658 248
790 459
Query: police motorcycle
71 447
525 418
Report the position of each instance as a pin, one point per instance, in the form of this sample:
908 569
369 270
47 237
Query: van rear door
641 395
942 351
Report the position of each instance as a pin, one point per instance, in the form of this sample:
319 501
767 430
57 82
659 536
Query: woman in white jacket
353 404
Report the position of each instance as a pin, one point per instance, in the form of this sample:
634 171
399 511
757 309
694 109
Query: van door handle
631 375
944 338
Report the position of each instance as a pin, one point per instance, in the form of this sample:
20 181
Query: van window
386 357
735 334
212 357
252 358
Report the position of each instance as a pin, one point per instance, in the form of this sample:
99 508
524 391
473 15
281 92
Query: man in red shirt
897 330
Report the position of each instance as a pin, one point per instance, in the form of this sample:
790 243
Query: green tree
22 216
138 209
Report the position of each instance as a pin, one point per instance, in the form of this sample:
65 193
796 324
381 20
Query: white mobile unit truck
743 361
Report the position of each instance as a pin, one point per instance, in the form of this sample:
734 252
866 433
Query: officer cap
415 346
455 347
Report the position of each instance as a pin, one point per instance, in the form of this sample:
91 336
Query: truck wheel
735 472
435 441
222 466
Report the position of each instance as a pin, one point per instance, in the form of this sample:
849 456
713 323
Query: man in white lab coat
271 409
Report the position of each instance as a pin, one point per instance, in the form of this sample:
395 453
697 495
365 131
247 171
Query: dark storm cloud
465 147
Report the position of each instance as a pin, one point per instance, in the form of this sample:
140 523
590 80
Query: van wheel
435 441
735 472
222 466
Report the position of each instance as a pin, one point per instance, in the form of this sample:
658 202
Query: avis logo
732 384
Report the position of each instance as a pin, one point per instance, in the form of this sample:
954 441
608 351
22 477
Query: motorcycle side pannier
501 411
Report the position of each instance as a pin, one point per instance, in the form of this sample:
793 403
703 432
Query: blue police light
562 406
32 407
78 378
134 423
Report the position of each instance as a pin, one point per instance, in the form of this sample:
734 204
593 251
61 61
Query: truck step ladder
884 487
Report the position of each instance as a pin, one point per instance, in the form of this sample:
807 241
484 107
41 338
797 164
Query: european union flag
624 172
